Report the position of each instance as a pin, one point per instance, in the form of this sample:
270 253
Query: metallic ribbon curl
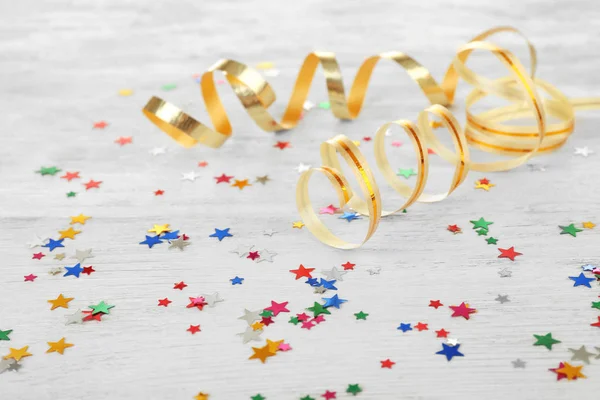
484 130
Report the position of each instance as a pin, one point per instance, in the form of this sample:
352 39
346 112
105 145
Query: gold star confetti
297 224
201 396
257 326
59 256
588 225
79 219
483 184
60 301
273 345
17 354
262 179
59 346
261 353
241 183
158 229
69 233
125 92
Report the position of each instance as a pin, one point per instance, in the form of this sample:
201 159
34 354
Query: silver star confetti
15 366
452 342
250 316
302 167
502 299
242 250
320 290
334 274
212 299
588 267
581 354
250 334
81 255
583 151
534 167
374 271
265 255
179 243
75 318
37 241
59 256
505 273
157 150
5 364
518 363
190 176
308 105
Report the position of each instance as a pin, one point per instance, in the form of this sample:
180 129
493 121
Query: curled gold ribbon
485 130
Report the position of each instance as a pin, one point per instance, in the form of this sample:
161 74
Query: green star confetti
481 223
48 171
569 230
491 240
361 315
354 389
4 334
545 340
406 172
101 307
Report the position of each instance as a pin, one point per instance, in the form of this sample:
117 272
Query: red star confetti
387 363
462 310
159 192
223 178
197 302
329 395
88 270
30 277
202 164
92 184
597 324
302 272
193 329
348 266
100 125
442 333
367 138
421 327
282 145
123 140
509 253
38 256
253 255
277 308
90 317
454 229
164 302
179 285
435 304
559 375
70 176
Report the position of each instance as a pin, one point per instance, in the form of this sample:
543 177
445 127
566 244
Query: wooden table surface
62 64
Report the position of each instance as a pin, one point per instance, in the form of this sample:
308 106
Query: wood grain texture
61 65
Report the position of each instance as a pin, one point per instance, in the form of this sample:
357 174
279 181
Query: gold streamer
484 130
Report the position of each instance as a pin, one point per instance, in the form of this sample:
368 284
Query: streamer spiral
485 130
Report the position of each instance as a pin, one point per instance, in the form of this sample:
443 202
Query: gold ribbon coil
484 130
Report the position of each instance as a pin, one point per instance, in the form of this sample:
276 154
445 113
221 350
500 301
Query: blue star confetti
221 234
404 327
151 241
349 216
581 280
334 301
53 244
450 351
75 270
237 280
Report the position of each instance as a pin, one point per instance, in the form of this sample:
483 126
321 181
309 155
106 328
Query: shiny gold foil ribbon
485 130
